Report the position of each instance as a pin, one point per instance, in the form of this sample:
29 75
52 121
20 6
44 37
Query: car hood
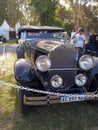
49 45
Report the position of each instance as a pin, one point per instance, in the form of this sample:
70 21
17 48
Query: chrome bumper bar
44 100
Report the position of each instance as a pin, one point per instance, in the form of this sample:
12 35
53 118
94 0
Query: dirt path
7 48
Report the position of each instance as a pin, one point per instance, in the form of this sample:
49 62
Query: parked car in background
92 44
2 39
52 71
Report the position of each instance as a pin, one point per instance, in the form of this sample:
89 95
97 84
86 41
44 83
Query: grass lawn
69 116
11 41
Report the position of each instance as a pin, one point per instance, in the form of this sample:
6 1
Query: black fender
20 51
93 83
94 71
23 70
93 80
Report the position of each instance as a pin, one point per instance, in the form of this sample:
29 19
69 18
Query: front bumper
44 100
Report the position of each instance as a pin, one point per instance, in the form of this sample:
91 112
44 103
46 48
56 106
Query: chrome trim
65 69
52 99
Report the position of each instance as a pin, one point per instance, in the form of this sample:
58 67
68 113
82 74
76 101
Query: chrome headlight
56 81
20 41
43 63
86 62
80 79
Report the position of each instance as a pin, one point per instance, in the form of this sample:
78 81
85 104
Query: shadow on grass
69 116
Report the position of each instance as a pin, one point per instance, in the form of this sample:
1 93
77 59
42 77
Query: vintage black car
51 71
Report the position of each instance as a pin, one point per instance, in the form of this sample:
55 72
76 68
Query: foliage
14 13
84 15
73 14
10 10
3 10
65 16
90 24
46 10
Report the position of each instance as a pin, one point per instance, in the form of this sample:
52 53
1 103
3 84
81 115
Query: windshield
44 35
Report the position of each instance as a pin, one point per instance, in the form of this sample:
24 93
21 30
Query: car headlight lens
56 81
86 62
80 79
43 63
20 41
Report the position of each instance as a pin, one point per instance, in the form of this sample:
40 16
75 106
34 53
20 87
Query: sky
62 2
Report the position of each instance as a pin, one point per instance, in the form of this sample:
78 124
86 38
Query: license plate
72 99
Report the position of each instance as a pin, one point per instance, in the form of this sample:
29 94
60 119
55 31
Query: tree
50 12
84 14
13 11
10 10
3 10
46 10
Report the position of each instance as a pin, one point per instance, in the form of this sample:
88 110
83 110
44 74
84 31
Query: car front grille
64 64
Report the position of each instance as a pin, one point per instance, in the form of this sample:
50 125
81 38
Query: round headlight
86 62
20 41
43 63
80 79
56 81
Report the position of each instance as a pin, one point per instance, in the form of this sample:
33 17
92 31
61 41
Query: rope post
4 51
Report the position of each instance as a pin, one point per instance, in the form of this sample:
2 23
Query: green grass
69 116
11 41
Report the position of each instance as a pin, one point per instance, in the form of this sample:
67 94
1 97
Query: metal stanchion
4 55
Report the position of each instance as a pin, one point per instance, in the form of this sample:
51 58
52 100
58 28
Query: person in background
80 39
